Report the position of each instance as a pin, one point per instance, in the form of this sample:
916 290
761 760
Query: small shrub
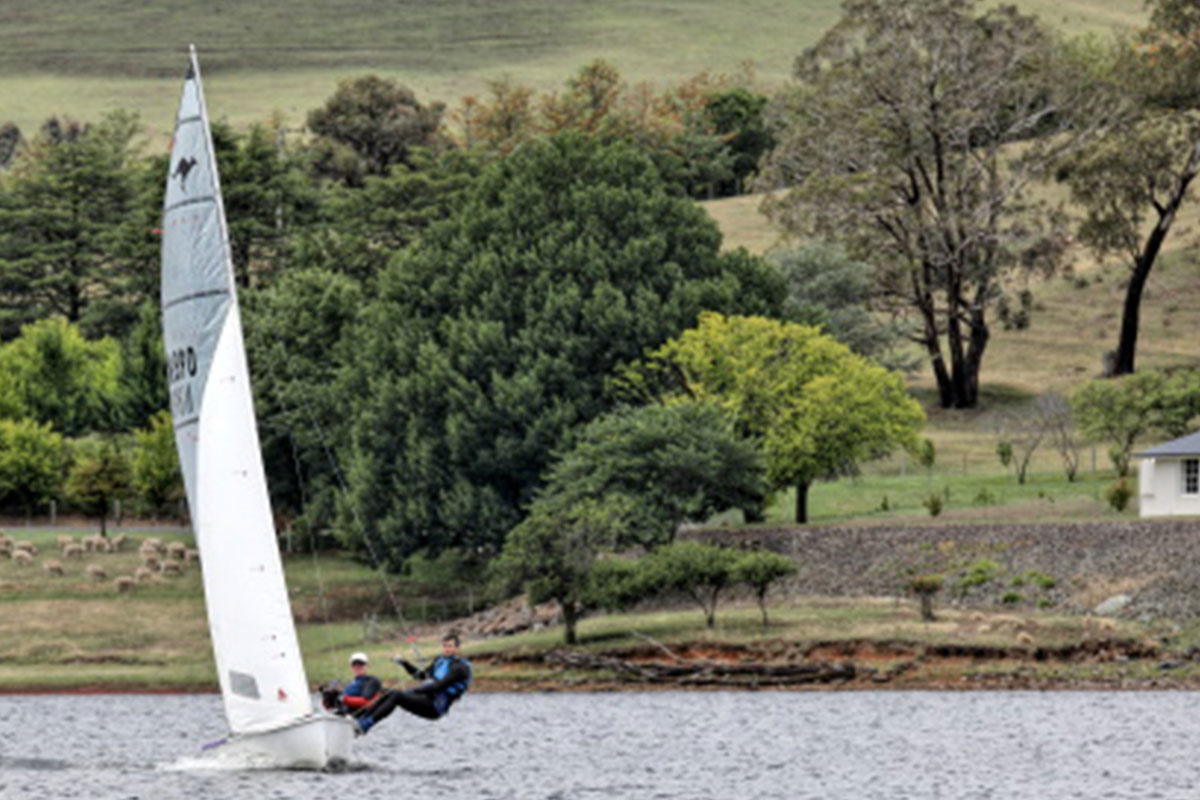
1018 581
1041 579
1044 602
934 503
1004 451
925 587
981 572
883 506
1011 598
1118 495
985 497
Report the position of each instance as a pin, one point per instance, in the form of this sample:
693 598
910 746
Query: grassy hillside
83 57
1075 321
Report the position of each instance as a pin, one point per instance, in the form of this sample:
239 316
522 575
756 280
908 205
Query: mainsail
254 637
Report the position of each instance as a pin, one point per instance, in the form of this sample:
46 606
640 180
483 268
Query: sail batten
254 636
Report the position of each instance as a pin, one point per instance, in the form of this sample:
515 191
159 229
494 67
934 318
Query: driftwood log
704 672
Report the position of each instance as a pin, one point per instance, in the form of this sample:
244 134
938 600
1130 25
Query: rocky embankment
1154 564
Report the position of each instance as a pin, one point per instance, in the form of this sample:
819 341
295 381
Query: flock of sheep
158 559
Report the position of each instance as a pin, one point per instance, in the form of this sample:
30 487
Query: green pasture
85 58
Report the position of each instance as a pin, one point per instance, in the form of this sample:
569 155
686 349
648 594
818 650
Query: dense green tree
674 463
269 199
142 382
294 333
491 338
760 570
832 291
99 474
50 373
1121 411
552 553
700 571
362 227
368 125
737 116
896 140
154 473
33 460
61 205
10 140
820 409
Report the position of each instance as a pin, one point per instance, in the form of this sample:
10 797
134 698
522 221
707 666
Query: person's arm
411 668
355 702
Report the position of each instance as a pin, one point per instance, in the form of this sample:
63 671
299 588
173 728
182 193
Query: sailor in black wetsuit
445 681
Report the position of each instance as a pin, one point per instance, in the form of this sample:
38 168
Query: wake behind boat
268 704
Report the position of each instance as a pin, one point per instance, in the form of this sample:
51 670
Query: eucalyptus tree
1132 183
899 138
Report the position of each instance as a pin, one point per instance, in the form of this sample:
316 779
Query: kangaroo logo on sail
182 169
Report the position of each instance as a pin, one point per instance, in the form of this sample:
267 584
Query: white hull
319 741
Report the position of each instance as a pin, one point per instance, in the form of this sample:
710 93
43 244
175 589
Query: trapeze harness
447 679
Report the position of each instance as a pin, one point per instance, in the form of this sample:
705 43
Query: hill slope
83 57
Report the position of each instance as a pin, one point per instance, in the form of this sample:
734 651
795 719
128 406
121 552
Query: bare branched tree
1054 412
912 135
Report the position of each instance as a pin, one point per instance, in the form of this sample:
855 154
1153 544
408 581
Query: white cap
358 657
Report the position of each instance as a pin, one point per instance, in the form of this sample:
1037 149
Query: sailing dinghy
268 704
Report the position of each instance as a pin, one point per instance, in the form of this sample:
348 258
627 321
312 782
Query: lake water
655 745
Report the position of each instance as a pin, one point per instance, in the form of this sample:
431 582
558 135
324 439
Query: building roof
1183 446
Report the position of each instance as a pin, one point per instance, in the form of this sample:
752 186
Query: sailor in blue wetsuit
445 681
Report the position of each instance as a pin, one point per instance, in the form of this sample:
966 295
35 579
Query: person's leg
411 702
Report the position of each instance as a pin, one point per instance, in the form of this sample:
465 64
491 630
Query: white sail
254 637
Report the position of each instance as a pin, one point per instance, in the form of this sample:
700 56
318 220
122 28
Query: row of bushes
90 474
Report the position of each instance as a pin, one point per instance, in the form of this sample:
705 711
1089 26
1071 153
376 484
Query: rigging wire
339 477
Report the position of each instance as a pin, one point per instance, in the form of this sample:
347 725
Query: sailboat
268 704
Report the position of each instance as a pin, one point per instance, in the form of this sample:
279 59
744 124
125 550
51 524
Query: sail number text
181 364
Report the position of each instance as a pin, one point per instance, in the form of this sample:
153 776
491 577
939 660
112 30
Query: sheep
118 542
96 572
103 545
191 555
153 542
170 567
124 583
1024 638
141 574
27 546
73 551
63 541
22 558
52 567
177 550
89 543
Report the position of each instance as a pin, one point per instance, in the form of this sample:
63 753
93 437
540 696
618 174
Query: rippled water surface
633 745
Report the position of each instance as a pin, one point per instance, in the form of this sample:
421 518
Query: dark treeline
443 304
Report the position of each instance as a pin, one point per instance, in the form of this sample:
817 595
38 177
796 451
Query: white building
1169 478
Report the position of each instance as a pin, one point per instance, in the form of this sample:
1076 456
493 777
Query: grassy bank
84 58
134 644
